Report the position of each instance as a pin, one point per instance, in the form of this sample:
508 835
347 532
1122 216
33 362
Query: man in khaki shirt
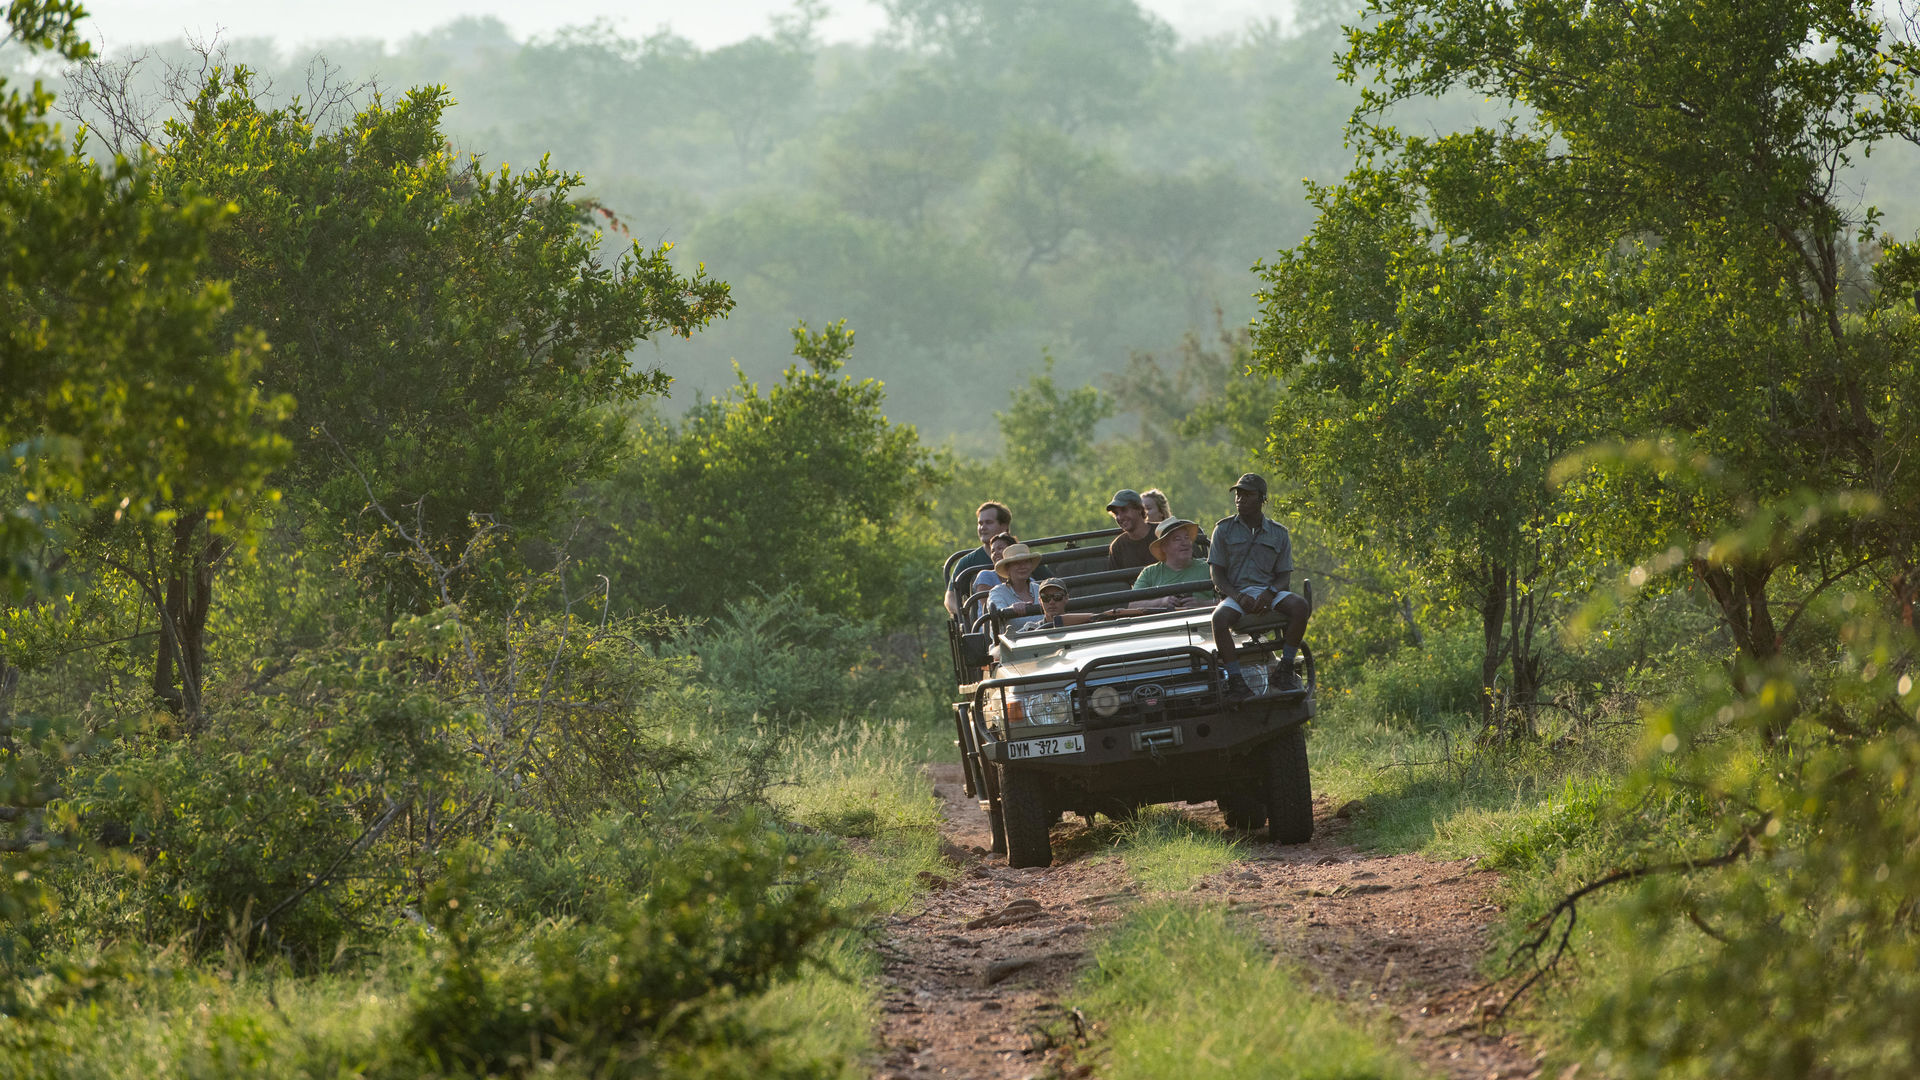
1251 562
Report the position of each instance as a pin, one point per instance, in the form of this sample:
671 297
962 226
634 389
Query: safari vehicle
1109 716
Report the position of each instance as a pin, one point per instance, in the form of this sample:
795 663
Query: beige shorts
1232 603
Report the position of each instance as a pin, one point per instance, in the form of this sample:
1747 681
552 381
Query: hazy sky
709 22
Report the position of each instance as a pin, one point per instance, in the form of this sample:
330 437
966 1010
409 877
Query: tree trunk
180 661
1413 626
9 681
1525 688
1493 618
1740 590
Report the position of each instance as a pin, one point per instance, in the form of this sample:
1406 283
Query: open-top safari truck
1109 716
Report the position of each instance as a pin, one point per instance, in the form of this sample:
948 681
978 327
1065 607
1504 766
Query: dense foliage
365 614
1646 325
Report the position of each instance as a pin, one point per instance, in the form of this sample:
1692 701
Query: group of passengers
1248 562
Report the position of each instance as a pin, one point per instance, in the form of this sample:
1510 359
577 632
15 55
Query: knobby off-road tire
1244 811
1028 818
1289 789
996 813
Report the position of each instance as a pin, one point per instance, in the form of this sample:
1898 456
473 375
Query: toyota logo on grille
1149 694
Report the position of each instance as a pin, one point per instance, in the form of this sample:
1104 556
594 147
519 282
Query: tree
806 486
1071 63
124 396
1657 246
1710 148
449 335
756 84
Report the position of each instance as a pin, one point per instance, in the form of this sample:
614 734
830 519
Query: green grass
203 1022
1181 989
1432 790
863 781
1164 851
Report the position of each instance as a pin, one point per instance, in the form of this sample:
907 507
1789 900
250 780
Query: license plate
1064 744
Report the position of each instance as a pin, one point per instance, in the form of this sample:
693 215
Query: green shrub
1424 684
775 655
646 988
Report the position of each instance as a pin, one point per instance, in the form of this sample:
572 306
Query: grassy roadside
1550 816
860 781
143 1014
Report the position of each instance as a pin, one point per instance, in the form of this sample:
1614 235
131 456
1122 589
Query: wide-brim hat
1253 482
1168 528
1015 553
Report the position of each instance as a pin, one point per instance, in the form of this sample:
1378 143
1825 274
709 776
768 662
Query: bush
1424 684
776 655
646 988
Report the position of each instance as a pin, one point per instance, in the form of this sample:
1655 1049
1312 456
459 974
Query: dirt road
976 978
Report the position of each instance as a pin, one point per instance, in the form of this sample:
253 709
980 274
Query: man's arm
1218 575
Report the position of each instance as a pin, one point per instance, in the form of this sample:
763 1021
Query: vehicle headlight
1106 701
1045 707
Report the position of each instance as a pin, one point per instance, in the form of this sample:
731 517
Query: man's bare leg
1225 618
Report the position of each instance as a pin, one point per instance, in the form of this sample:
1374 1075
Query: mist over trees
988 180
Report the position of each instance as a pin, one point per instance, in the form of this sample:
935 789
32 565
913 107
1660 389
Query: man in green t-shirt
1174 565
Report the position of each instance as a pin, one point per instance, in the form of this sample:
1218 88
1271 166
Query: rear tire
1289 789
1027 818
1243 811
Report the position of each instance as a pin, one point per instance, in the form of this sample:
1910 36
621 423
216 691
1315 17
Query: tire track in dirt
975 978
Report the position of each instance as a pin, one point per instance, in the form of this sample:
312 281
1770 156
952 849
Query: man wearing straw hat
1173 565
1251 563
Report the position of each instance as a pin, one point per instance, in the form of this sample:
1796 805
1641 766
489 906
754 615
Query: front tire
996 807
1289 789
1028 818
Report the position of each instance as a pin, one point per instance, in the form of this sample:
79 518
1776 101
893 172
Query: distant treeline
989 181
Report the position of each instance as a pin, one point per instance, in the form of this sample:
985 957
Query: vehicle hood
1068 650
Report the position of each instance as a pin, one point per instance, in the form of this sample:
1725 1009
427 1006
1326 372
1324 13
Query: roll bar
1071 540
1106 600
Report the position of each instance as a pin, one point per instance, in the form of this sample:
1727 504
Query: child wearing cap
1053 609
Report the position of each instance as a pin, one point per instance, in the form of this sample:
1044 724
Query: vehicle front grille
1147 697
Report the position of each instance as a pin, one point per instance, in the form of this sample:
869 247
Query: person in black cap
1251 562
1134 546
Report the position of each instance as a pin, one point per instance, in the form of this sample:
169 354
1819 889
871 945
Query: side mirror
974 648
